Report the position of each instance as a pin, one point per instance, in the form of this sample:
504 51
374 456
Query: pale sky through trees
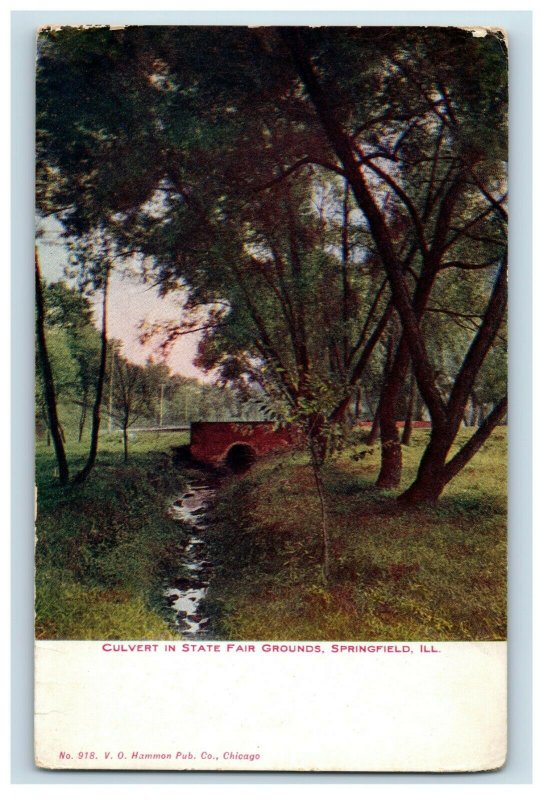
130 302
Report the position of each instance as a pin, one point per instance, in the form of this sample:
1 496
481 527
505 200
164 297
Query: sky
130 303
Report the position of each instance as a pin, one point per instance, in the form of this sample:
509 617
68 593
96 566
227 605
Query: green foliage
434 574
201 149
136 391
66 307
63 365
103 549
73 344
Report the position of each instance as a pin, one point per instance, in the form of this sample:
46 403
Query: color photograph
271 334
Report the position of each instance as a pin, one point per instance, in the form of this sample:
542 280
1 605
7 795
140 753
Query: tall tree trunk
125 442
391 463
474 406
419 408
375 429
408 423
346 289
446 416
342 144
358 403
93 450
391 451
83 415
361 363
46 425
48 381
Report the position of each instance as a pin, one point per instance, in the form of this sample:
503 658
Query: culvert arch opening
240 457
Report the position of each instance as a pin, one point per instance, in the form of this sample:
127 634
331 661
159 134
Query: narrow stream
188 591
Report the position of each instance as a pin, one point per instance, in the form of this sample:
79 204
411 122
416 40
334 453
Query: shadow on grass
370 499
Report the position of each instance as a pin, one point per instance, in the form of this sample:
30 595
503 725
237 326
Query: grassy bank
429 574
103 548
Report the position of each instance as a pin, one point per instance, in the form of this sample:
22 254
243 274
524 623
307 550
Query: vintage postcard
271 398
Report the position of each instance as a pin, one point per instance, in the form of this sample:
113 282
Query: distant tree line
132 394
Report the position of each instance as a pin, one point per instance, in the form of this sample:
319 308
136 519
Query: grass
434 573
104 548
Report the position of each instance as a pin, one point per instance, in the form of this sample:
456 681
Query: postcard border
519 28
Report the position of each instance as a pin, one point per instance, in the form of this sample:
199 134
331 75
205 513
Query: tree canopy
310 187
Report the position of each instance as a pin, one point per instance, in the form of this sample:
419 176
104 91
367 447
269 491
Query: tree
85 348
134 395
69 314
48 381
95 260
470 173
203 155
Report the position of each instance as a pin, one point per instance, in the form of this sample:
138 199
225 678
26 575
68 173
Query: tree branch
305 161
404 197
382 236
474 444
466 265
480 345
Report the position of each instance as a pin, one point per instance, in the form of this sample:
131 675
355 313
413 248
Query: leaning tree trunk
125 442
48 382
93 450
83 415
391 450
431 477
408 423
435 472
